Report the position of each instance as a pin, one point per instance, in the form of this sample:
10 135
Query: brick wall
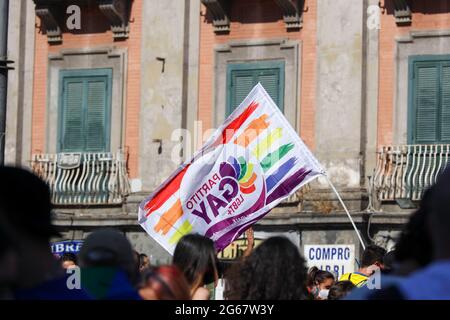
427 15
260 19
95 32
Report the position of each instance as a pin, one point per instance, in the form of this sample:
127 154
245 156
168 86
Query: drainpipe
4 9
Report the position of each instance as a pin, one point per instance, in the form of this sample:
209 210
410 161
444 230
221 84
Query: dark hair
142 257
389 261
136 260
167 282
195 256
340 289
136 256
414 242
439 218
371 255
68 256
275 270
32 216
317 276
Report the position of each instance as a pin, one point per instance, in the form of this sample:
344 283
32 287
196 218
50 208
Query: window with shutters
429 100
84 113
242 77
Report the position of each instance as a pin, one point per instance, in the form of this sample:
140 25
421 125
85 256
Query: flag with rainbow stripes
250 164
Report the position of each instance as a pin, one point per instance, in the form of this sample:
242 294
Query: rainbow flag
250 164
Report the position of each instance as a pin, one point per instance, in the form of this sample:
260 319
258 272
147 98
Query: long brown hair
275 270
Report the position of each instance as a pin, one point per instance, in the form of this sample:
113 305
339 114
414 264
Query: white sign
338 259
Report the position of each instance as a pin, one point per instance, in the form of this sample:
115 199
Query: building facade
94 104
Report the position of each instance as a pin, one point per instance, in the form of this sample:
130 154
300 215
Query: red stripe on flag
228 132
165 193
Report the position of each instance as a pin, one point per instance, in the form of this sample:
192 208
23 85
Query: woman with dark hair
319 283
164 283
196 257
275 270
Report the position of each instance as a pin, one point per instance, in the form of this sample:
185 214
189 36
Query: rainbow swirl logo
242 171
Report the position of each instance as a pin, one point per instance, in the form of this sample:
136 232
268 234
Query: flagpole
346 210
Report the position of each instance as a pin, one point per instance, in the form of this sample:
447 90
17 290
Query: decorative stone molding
292 13
47 14
219 12
402 12
116 11
252 50
413 35
219 9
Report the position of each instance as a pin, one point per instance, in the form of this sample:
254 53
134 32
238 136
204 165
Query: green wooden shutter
72 131
242 77
426 103
445 102
270 79
85 110
96 114
242 83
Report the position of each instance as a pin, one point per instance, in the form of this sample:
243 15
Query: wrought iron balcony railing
84 178
404 172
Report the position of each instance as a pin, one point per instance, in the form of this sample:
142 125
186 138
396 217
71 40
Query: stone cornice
116 11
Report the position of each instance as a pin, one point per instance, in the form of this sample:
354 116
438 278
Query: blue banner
61 247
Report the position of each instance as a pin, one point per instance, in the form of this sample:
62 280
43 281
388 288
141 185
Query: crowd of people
109 269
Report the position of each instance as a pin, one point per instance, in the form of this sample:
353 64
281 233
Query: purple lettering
202 214
215 204
205 188
211 183
193 199
229 194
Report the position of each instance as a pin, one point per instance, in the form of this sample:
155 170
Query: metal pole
348 213
4 9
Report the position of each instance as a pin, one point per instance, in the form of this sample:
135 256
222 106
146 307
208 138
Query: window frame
412 60
255 65
84 73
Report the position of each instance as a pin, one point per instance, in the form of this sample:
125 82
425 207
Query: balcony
404 172
81 179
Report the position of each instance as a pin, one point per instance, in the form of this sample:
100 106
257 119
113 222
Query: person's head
275 270
196 257
25 207
108 248
373 257
164 283
389 261
144 262
340 290
25 213
413 249
319 282
68 260
8 265
439 218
